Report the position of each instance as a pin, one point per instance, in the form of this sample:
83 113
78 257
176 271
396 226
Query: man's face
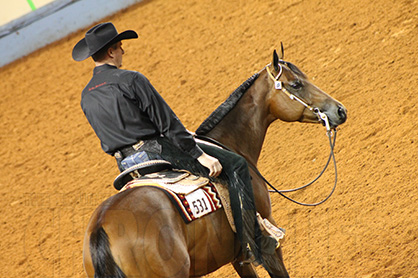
117 54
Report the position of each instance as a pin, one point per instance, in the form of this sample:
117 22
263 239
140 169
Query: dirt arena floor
364 53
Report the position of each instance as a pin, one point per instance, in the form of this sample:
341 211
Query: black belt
150 145
129 150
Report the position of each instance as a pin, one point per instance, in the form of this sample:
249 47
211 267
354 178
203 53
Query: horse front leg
244 270
277 269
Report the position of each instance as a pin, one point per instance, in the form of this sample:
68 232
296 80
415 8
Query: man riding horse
135 124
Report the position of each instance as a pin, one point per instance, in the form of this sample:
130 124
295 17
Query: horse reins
281 192
331 155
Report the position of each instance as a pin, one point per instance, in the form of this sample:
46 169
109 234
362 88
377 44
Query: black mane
225 107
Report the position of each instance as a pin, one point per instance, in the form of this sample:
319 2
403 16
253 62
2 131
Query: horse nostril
342 113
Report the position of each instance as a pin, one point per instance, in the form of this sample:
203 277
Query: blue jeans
137 158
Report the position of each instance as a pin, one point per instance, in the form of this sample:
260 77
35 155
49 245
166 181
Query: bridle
278 85
331 133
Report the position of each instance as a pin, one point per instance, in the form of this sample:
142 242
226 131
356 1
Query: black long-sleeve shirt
123 107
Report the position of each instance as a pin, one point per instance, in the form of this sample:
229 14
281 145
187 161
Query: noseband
278 85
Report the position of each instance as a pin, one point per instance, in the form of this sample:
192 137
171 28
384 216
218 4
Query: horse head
293 97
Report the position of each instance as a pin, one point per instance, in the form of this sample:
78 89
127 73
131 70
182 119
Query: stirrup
248 257
272 231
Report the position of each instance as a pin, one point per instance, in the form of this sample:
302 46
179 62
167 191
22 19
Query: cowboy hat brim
81 51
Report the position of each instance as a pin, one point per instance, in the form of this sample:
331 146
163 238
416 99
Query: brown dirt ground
196 53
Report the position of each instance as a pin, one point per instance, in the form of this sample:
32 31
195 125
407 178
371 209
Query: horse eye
296 85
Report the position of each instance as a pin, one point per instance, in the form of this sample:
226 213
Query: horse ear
282 51
275 61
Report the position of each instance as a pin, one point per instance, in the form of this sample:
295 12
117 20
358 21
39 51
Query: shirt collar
102 68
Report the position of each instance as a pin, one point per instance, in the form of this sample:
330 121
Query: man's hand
213 164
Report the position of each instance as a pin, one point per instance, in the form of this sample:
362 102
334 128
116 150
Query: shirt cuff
196 152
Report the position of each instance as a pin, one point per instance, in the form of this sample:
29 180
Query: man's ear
110 52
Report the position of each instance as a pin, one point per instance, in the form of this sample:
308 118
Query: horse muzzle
337 116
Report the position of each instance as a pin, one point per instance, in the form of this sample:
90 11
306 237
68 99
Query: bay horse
139 233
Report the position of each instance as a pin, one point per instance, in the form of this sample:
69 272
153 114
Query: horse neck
244 128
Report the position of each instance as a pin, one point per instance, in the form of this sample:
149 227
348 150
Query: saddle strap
224 196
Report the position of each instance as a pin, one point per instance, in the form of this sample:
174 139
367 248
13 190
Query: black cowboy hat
98 37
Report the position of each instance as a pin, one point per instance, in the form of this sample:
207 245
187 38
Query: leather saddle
139 170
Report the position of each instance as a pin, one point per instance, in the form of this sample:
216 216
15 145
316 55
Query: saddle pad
195 204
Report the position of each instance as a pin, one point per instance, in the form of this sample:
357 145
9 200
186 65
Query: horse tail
101 255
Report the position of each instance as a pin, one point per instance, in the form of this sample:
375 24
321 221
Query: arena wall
52 22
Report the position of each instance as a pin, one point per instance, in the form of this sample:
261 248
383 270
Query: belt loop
118 155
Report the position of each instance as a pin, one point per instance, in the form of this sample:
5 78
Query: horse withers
140 233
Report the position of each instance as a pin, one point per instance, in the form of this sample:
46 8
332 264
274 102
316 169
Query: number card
199 203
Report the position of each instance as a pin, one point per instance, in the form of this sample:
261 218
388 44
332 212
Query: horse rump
101 255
